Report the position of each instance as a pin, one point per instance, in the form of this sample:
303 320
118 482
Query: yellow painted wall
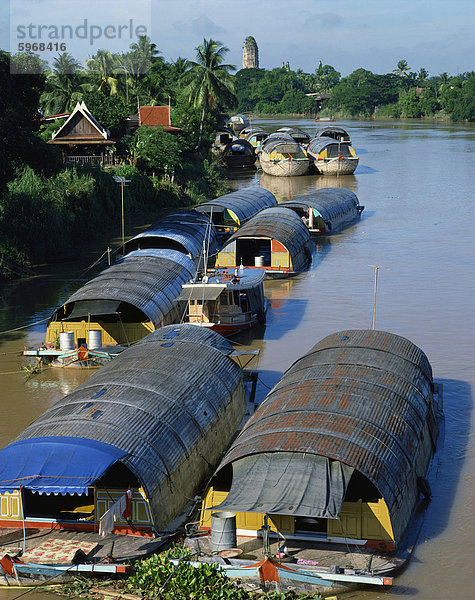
140 511
358 520
112 333
226 259
280 259
250 521
362 521
10 505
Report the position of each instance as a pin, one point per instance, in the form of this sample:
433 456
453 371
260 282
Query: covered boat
336 133
226 302
244 132
221 140
183 230
237 123
300 136
326 210
238 153
275 240
282 156
339 450
152 422
255 136
125 302
230 211
331 157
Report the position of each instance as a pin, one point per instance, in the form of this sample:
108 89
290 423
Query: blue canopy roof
55 465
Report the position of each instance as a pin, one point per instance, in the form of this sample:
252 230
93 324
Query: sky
437 35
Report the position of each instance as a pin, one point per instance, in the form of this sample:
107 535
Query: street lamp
122 181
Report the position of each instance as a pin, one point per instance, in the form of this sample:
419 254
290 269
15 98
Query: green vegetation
47 208
402 93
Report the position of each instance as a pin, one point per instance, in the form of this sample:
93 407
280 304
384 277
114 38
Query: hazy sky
347 34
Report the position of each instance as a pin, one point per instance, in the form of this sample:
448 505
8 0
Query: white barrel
258 261
94 339
66 340
223 531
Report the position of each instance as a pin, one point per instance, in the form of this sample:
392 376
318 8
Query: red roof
155 115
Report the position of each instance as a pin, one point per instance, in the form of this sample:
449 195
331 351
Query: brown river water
415 180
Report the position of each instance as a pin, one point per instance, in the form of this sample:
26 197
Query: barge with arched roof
333 463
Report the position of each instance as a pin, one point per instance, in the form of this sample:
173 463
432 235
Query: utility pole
122 181
376 269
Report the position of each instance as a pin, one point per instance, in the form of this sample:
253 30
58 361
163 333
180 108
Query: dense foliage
47 207
402 93
157 577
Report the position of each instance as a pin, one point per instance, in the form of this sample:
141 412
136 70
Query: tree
209 84
422 75
155 150
66 64
100 70
326 78
109 111
402 69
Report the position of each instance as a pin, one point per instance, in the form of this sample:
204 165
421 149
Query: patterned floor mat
57 551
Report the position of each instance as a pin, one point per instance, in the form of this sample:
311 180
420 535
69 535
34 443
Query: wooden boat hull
336 166
284 168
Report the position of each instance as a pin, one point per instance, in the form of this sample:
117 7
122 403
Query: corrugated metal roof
245 203
331 203
318 144
297 134
149 280
185 228
332 131
280 142
359 397
280 224
155 401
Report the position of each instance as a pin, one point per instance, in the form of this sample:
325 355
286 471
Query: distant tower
250 54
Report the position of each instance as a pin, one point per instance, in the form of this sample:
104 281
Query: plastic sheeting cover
288 483
55 465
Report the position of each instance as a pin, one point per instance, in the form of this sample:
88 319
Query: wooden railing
92 160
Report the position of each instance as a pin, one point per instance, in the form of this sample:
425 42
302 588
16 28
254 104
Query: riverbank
47 219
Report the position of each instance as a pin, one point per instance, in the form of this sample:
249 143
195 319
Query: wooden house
82 139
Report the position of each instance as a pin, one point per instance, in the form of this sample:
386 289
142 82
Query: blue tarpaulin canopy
55 465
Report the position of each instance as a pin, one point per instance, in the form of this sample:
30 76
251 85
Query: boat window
224 299
311 524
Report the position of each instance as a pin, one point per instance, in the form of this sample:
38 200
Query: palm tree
100 69
402 68
209 83
65 64
422 75
64 87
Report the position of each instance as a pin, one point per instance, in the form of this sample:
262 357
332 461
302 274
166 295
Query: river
415 181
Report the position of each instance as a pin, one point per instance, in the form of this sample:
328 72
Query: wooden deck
323 556
112 548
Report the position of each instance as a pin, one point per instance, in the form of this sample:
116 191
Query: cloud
205 27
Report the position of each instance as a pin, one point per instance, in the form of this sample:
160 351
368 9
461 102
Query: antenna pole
376 268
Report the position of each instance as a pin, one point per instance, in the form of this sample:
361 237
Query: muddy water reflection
415 182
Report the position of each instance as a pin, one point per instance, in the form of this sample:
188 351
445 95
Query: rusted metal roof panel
149 280
155 401
244 204
359 397
281 224
185 228
331 203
